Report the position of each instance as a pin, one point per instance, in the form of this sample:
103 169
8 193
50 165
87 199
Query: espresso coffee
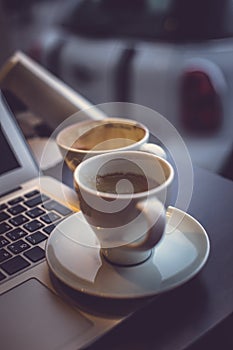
110 135
124 183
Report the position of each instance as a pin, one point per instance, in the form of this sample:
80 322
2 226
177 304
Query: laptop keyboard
25 222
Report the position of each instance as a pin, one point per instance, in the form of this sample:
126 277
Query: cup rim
113 196
90 121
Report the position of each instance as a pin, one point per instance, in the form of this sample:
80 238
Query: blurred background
174 56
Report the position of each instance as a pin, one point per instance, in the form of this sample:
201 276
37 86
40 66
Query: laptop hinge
11 191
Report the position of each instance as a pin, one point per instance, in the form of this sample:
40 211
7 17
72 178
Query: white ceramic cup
123 196
92 137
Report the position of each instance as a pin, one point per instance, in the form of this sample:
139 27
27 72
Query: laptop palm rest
35 318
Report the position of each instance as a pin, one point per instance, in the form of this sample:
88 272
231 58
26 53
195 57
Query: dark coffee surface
124 183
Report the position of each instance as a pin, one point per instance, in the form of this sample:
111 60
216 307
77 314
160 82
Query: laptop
33 314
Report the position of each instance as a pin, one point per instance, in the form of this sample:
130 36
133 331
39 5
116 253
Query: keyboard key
31 193
2 276
15 200
35 212
36 200
49 205
3 242
18 220
4 227
3 206
33 202
50 217
49 229
16 234
59 208
4 216
4 255
33 225
18 246
35 254
44 197
14 265
36 238
17 209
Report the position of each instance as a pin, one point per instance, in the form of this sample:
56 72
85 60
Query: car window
118 18
176 20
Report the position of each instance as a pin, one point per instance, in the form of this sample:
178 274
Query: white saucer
73 255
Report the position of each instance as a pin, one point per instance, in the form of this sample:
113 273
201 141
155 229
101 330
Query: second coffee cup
92 137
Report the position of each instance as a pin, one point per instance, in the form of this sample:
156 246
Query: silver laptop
33 315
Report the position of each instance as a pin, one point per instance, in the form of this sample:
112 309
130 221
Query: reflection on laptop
32 315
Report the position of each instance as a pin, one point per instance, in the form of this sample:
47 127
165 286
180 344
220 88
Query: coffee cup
92 137
123 197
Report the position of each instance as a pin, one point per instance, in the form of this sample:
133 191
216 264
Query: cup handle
156 217
153 148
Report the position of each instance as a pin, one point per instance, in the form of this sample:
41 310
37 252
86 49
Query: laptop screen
10 161
17 164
